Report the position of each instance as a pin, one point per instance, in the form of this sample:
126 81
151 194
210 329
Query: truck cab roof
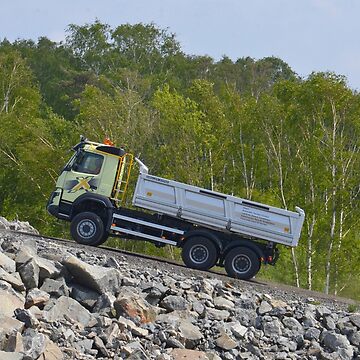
91 146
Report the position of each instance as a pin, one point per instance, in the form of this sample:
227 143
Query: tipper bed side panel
216 210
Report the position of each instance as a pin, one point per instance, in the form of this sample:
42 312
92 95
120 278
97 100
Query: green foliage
247 127
177 118
352 308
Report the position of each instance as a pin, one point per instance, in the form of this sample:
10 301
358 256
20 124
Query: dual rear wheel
201 253
242 263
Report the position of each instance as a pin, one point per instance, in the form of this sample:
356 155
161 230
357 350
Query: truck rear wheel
199 253
242 263
87 228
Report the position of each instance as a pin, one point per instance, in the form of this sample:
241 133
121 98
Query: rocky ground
69 302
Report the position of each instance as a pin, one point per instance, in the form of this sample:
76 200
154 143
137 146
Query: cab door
84 175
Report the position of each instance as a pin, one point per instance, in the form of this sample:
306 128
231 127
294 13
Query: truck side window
88 163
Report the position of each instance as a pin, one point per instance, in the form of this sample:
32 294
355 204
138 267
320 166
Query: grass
352 308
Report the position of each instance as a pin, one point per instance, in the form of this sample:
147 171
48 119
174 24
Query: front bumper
53 203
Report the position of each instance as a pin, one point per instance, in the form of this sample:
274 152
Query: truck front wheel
87 228
242 263
199 253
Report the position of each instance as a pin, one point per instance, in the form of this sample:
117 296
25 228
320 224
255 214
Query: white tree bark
275 153
328 266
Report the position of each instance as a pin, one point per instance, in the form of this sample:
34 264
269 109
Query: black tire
87 228
104 238
242 263
199 253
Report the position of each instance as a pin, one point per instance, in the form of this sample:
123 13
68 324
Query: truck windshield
88 163
69 164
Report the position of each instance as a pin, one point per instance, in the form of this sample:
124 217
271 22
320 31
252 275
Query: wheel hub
241 263
86 228
199 254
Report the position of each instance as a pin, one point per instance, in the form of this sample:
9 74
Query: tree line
251 128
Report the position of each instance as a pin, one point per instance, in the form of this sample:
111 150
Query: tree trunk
211 171
243 160
277 149
333 194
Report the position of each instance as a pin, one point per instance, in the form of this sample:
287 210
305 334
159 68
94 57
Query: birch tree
333 107
325 135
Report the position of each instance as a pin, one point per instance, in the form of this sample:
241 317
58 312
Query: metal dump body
218 211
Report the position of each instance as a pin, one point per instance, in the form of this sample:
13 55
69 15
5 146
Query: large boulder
100 279
13 279
355 319
68 308
238 330
186 354
99 344
225 342
130 304
173 302
36 297
48 268
11 355
264 308
4 224
25 253
15 342
29 272
10 325
39 346
312 334
272 328
26 317
354 338
55 288
223 304
218 315
130 325
174 317
22 226
134 351
51 351
85 296
292 324
189 333
333 341
105 305
9 302
82 347
7 264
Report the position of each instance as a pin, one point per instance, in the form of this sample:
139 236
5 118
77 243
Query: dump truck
210 227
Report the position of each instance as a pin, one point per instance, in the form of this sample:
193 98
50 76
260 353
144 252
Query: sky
309 35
